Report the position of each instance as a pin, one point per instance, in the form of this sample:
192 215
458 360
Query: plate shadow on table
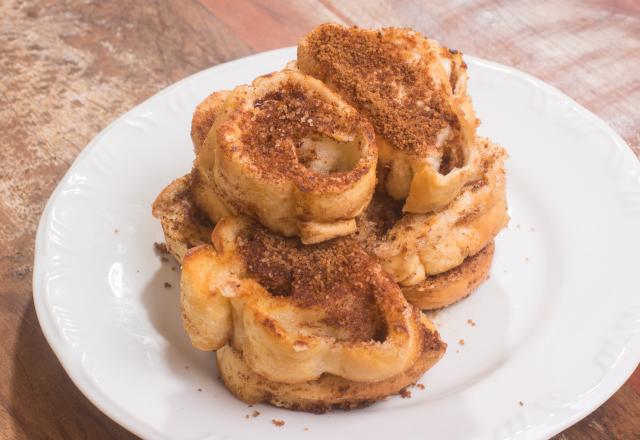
43 398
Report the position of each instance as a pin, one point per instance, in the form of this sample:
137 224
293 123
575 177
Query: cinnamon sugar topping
337 277
281 125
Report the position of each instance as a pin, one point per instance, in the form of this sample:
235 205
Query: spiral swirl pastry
414 93
287 151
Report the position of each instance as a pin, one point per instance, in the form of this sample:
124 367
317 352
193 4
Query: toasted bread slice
287 151
329 391
414 93
412 247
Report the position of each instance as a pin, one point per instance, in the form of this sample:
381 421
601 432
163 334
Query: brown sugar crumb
277 422
160 248
305 429
457 351
405 393
255 413
521 403
173 268
461 342
167 285
398 96
115 231
199 390
420 386
471 322
164 259
246 416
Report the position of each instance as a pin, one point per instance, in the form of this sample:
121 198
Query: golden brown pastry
287 151
294 314
414 93
415 247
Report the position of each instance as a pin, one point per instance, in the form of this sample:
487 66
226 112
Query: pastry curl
297 312
414 93
412 247
287 151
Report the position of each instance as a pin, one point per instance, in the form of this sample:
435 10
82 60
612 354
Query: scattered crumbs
186 367
305 429
199 390
250 406
246 416
521 403
167 285
164 259
461 342
457 351
255 414
115 231
405 393
505 271
526 258
160 248
277 422
471 322
220 378
420 386
518 226
532 229
137 270
173 268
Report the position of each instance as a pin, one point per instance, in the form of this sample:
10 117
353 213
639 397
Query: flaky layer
414 93
287 151
412 247
446 288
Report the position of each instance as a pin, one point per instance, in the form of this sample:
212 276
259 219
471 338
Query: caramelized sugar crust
334 276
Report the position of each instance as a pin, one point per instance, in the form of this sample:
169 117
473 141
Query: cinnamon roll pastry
294 323
415 248
414 93
287 151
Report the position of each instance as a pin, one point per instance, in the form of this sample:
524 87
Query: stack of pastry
348 192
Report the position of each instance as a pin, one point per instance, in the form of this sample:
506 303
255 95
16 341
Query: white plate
558 323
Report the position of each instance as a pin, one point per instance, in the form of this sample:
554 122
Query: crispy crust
183 224
414 93
329 391
185 227
449 287
287 151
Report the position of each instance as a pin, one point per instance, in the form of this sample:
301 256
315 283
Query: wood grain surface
68 68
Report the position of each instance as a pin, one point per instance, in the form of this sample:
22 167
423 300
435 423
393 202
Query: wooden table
67 70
